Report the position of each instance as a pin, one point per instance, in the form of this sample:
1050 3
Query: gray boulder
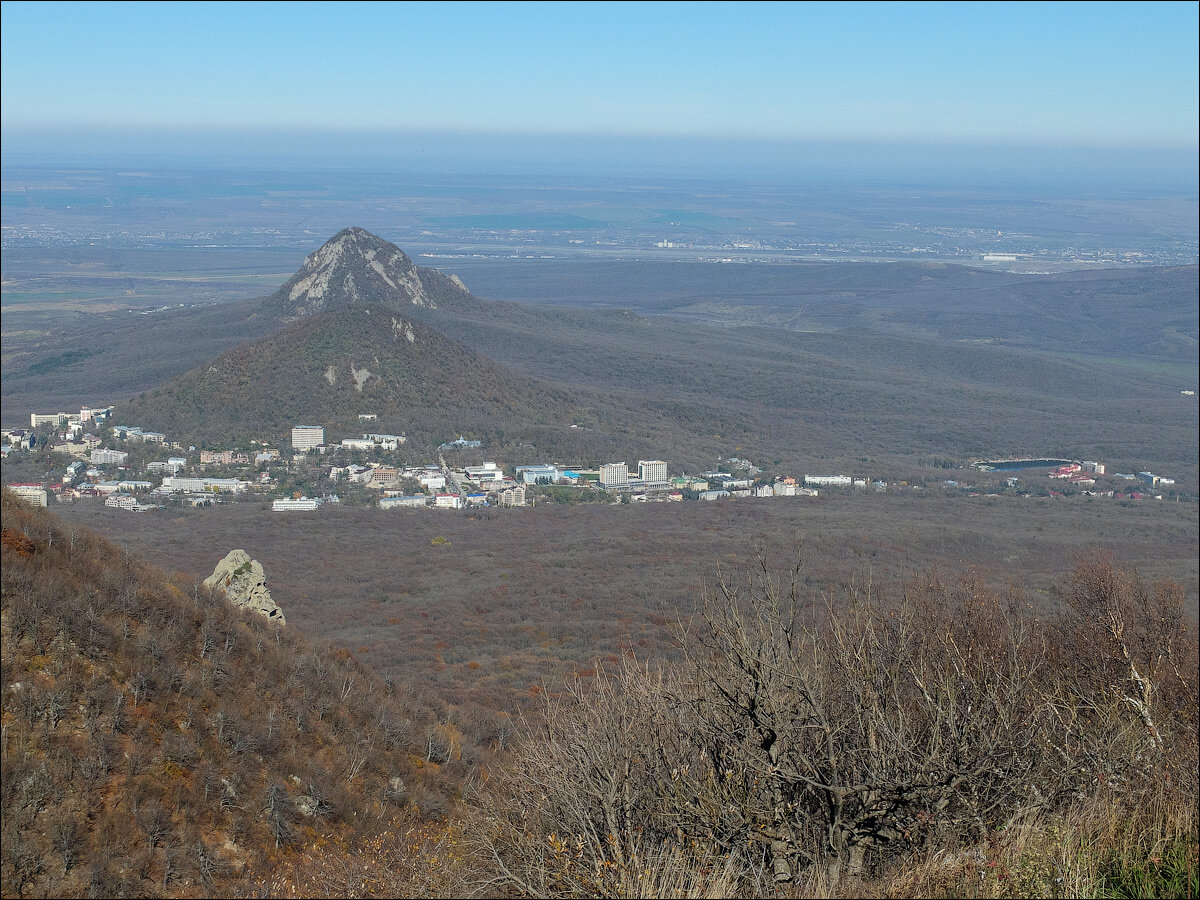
245 585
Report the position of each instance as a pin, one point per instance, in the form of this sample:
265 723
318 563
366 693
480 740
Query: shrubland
158 741
941 741
940 736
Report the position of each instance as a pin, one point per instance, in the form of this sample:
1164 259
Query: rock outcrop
353 267
245 585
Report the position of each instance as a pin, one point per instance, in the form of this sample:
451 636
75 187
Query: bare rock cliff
245 585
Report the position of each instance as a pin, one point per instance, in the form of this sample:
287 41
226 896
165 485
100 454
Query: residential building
356 443
386 441
33 494
384 476
306 437
224 457
404 502
653 472
614 476
55 419
447 501
170 467
127 502
829 480
514 496
432 481
102 456
177 484
293 505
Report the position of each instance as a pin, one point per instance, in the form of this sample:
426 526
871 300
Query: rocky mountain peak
354 266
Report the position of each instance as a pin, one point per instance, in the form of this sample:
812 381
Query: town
133 469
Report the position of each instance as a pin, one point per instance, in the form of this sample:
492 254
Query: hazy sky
1089 73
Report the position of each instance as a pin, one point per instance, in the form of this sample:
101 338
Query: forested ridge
939 736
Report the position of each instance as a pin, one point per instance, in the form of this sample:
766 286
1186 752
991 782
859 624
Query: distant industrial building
306 437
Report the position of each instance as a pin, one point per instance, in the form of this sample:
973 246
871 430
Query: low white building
285 504
411 502
829 480
180 484
447 501
432 481
33 494
386 441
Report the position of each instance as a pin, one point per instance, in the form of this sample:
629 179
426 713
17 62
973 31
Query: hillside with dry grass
936 737
156 741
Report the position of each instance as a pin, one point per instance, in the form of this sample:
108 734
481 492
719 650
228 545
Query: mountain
353 267
329 367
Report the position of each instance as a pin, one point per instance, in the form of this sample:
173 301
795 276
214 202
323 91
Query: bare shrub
806 740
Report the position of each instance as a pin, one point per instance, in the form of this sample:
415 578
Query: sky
1059 75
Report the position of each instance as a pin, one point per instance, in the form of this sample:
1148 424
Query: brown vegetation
156 741
942 738
805 742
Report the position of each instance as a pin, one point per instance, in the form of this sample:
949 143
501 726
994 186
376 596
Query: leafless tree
799 736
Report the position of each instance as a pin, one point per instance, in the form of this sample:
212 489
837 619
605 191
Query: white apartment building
386 441
33 494
614 476
653 472
55 419
514 496
290 505
829 480
104 457
176 483
306 437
